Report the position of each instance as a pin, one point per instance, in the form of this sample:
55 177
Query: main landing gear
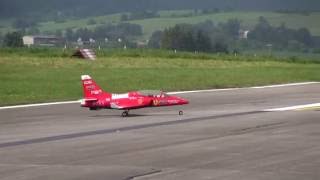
125 113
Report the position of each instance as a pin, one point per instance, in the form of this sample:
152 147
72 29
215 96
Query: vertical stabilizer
90 87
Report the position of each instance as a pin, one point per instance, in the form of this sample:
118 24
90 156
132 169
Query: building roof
43 36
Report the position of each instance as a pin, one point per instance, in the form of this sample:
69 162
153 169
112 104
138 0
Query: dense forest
224 37
82 8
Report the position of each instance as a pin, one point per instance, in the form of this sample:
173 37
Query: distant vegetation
202 37
281 37
106 33
208 26
205 36
55 9
13 39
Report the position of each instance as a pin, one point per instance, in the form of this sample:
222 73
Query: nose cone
184 101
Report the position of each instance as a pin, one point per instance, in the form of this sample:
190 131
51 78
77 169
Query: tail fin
90 88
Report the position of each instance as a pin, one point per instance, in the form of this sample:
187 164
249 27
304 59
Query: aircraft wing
127 105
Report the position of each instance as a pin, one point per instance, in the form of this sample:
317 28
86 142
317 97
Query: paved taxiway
222 135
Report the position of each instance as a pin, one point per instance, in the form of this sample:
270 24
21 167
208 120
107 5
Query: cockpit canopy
153 93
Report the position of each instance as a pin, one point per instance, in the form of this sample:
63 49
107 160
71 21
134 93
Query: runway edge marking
39 104
255 87
293 108
177 92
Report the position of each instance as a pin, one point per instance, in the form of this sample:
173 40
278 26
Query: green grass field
29 76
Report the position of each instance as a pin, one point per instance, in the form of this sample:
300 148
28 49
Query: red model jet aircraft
95 98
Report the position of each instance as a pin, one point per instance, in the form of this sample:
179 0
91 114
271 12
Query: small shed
85 54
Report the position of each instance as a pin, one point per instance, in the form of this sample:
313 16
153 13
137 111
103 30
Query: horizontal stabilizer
90 99
83 102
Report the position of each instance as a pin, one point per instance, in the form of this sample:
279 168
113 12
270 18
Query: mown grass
160 53
32 77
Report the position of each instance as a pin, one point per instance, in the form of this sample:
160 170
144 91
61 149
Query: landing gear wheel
125 114
180 113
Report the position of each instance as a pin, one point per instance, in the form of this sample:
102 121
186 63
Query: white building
243 34
41 40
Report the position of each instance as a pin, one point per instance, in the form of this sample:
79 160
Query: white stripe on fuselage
119 96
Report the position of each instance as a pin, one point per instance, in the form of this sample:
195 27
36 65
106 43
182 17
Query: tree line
84 8
202 37
225 37
104 33
281 37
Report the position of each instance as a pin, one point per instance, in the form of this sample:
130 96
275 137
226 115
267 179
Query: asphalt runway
222 135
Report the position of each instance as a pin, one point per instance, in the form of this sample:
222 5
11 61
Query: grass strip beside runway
30 79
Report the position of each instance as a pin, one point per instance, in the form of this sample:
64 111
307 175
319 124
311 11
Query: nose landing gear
180 113
125 113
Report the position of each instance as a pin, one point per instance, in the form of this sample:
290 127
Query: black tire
125 114
180 113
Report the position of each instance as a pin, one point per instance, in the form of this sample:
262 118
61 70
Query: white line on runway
292 108
40 104
284 85
256 87
178 92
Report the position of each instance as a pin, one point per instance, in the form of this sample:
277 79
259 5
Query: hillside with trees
225 37
50 9
195 26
